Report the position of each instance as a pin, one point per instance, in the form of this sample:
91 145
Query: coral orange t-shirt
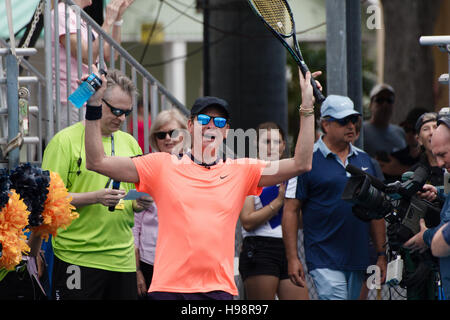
197 211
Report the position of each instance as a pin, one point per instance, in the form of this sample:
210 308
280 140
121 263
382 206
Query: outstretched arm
282 170
113 13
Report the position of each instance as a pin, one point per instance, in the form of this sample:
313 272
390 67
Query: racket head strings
276 14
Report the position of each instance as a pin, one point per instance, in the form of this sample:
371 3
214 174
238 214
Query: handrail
130 59
48 109
34 77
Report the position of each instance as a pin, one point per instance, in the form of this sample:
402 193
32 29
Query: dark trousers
147 271
213 295
73 282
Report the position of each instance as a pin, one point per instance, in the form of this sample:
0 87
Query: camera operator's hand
416 243
428 192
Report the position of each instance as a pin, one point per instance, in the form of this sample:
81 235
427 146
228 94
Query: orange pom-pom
13 220
58 212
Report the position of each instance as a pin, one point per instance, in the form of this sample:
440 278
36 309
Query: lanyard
112 146
112 154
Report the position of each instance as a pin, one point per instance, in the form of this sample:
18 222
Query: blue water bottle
86 90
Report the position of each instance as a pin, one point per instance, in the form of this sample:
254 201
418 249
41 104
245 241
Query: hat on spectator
337 107
445 120
425 118
409 124
381 87
203 102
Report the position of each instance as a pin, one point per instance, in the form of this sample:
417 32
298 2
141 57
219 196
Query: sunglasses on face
116 111
161 135
204 119
344 121
380 100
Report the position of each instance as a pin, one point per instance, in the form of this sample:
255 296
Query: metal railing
46 115
10 82
155 96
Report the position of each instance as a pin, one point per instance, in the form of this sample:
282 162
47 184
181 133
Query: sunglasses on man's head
344 121
161 135
380 100
116 111
204 119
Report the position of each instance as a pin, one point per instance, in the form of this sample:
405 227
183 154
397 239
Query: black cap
430 117
445 119
411 119
203 102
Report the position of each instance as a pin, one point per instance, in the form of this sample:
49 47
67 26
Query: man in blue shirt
440 146
336 242
440 245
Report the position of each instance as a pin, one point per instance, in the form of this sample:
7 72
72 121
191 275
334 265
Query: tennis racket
277 16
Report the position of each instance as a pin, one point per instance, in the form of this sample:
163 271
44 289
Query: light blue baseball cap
338 107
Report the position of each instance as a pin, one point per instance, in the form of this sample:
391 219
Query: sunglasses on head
161 135
116 111
344 121
204 119
380 100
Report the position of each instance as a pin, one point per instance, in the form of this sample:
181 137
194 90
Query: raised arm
117 168
282 170
114 12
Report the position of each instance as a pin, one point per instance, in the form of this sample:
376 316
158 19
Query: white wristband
118 23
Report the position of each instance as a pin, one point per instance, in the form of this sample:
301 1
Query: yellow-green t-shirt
99 238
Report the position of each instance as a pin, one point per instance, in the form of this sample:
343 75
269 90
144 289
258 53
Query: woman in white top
262 261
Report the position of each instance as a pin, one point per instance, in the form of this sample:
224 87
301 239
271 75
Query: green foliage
315 57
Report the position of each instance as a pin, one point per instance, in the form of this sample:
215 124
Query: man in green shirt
94 256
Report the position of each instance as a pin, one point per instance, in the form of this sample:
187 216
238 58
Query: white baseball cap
338 107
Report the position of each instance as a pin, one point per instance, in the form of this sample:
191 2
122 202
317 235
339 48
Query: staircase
35 125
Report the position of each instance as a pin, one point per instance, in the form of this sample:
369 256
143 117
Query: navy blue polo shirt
333 237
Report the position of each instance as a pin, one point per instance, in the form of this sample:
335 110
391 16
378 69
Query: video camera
396 202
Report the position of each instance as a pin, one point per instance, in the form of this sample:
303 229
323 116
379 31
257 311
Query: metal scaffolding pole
443 42
12 100
344 61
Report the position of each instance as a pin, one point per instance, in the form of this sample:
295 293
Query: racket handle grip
317 93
